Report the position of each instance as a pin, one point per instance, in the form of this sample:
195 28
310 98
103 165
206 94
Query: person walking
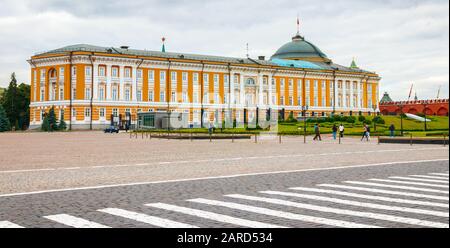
317 131
367 132
341 130
392 130
364 132
334 129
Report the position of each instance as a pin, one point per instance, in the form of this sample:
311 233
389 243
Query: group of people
341 128
335 129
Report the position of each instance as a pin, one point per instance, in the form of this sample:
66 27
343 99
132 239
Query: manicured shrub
361 118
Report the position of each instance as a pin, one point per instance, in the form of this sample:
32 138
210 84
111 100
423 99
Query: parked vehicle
112 129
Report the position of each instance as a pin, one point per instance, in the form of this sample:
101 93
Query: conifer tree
4 122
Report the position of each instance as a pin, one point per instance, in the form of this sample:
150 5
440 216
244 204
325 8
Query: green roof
385 98
211 58
298 48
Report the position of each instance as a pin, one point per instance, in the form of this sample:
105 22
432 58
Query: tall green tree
53 126
4 122
15 101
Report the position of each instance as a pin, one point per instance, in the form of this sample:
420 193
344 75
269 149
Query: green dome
300 49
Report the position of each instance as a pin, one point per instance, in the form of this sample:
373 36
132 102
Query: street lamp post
304 109
401 119
425 114
374 115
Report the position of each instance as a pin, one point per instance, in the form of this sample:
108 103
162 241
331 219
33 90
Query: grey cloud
402 40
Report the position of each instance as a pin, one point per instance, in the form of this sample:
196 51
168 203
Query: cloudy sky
405 41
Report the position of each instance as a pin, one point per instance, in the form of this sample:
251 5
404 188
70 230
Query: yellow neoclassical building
93 87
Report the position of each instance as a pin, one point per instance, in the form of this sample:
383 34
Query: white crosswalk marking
421 180
390 192
432 177
152 220
359 204
397 187
7 224
281 214
373 197
409 183
214 216
73 221
370 215
439 174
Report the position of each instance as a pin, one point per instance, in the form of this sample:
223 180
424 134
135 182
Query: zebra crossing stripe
359 204
432 177
281 214
439 174
409 183
373 197
390 192
398 187
73 221
213 216
421 179
152 220
7 224
369 215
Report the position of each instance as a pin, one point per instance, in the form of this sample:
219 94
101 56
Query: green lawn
437 127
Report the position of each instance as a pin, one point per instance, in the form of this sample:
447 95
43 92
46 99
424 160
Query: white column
269 83
344 94
260 90
359 94
351 94
336 93
121 83
108 83
134 84
95 83
232 96
241 81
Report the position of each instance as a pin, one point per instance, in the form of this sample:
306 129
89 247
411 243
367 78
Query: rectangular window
150 95
185 97
61 72
216 80
87 93
115 72
101 71
225 79
42 95
127 94
173 96
87 112
101 93
87 71
139 95
115 112
162 96
281 100
162 76
139 73
114 93
173 76
195 97
291 101
35 76
184 77
74 71
195 77
291 82
151 76
282 82
74 93
127 73
205 78
61 94
102 112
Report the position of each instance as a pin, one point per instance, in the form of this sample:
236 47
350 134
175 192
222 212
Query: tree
4 122
45 124
53 126
62 126
15 101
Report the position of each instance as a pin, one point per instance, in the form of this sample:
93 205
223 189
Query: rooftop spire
163 49
353 65
297 35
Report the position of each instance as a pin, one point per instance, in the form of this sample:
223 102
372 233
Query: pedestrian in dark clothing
334 129
317 131
392 130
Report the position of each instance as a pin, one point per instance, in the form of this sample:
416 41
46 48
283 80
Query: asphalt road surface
387 194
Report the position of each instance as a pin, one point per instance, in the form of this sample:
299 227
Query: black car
112 129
